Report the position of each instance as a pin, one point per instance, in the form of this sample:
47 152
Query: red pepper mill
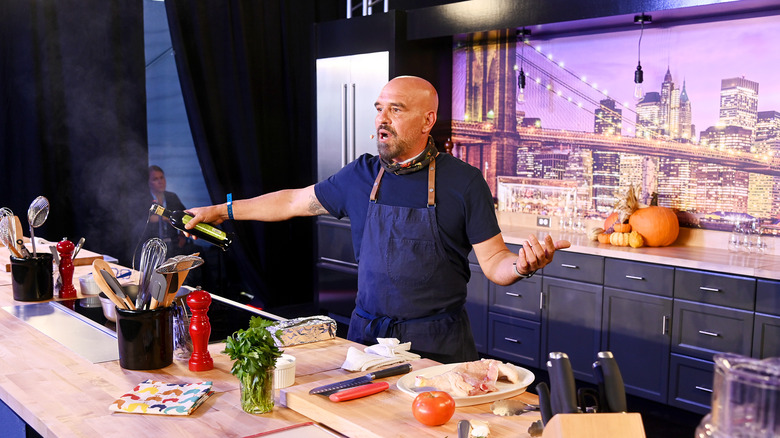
200 330
65 248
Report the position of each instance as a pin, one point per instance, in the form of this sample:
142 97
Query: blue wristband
230 205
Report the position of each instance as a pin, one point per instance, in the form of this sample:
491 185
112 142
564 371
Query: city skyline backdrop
580 89
701 55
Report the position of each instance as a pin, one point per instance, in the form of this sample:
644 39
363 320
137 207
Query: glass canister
182 341
745 398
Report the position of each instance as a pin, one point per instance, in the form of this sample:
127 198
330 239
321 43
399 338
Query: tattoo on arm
315 208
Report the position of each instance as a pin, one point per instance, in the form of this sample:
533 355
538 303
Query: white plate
505 388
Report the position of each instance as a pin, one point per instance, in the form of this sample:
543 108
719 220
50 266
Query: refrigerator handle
344 127
353 131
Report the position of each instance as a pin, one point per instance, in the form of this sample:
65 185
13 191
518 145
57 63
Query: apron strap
432 183
376 184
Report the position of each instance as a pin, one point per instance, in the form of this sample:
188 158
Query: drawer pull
701 388
513 294
634 277
512 340
714 335
565 265
709 289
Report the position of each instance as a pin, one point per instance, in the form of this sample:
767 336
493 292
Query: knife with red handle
357 392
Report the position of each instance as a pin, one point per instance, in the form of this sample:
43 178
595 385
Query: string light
639 92
521 76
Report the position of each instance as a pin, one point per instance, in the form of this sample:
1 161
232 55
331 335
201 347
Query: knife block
624 425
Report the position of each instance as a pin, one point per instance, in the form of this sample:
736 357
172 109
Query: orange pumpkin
657 225
604 237
610 220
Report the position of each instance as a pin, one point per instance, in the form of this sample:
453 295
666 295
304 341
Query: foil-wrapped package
303 330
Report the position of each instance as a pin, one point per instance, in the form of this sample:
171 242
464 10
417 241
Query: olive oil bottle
179 219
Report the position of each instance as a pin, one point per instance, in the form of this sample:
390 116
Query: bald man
415 215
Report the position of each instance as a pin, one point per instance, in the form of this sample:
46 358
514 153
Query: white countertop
696 249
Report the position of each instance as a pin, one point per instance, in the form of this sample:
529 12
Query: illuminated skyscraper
767 125
739 103
685 118
648 115
608 118
667 98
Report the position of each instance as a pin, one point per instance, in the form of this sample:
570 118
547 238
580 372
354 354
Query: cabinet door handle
709 289
512 340
541 300
634 277
513 294
714 335
701 388
664 324
565 265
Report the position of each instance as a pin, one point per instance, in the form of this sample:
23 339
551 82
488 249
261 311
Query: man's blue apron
407 288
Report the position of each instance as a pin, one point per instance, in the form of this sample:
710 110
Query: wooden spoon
18 230
97 265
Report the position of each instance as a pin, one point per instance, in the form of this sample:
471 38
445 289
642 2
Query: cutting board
391 410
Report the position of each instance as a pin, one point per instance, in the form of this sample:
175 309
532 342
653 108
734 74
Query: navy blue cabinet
766 328
636 324
663 323
477 307
635 328
571 322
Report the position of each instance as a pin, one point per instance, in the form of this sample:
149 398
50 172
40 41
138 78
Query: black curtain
246 69
73 117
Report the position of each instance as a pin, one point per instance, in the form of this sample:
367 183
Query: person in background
415 215
159 226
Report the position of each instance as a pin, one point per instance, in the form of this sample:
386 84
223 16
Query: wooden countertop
695 249
61 394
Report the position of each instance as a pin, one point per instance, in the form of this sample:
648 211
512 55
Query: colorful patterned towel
161 398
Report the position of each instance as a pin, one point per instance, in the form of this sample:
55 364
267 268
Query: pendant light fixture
521 35
639 92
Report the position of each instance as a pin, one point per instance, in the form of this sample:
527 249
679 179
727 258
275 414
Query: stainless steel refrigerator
347 87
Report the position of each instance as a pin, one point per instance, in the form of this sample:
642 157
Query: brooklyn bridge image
727 171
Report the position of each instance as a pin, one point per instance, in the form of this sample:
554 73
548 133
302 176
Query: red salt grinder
200 330
65 248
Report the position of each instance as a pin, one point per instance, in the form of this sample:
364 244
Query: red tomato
433 408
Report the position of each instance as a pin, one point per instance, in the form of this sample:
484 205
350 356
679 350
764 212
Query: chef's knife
368 378
562 386
543 391
614 388
358 391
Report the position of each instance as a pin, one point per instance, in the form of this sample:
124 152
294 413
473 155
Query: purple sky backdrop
700 54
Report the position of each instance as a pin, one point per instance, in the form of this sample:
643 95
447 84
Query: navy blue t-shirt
464 204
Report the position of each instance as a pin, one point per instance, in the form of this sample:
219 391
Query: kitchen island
61 394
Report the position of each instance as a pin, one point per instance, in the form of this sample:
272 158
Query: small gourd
621 228
593 234
619 239
604 237
635 240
